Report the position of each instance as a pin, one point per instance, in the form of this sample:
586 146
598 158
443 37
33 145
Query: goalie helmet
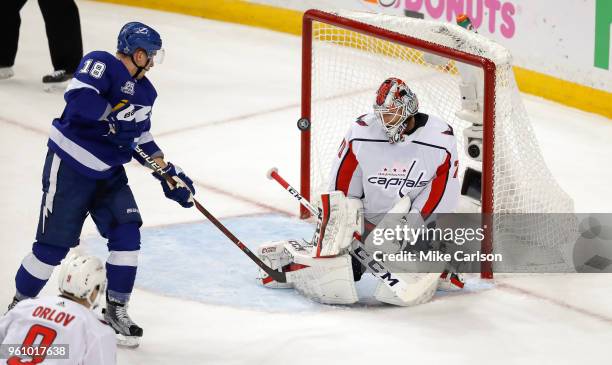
80 275
394 104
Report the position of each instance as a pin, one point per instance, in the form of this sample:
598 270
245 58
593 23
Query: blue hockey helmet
135 35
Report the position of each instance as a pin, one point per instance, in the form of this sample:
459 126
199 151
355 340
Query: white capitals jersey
423 166
51 321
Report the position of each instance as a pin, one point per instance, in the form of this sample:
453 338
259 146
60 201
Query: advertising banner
566 39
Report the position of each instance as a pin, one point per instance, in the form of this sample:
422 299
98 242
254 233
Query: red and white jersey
51 321
423 166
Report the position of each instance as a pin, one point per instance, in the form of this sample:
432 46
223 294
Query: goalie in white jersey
413 155
392 160
66 324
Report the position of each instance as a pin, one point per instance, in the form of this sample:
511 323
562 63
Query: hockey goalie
393 160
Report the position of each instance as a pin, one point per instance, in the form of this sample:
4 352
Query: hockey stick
409 293
273 175
276 275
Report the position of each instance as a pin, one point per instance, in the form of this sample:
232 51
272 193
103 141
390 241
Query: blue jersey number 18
96 71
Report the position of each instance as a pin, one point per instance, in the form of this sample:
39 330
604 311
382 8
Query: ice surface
195 261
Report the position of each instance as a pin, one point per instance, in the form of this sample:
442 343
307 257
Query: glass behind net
348 67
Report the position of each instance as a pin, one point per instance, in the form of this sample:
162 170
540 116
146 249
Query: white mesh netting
348 67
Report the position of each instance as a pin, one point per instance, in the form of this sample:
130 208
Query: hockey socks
122 263
36 269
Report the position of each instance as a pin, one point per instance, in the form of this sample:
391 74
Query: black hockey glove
183 191
123 129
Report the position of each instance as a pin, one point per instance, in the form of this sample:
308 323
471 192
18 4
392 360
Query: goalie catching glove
183 191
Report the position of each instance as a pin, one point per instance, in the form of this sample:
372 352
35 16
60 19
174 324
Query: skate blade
131 342
55 86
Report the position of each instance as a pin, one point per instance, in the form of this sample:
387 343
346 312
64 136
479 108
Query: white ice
226 112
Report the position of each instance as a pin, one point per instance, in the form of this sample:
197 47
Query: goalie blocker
322 270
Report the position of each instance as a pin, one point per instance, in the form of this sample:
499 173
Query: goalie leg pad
341 217
326 280
274 255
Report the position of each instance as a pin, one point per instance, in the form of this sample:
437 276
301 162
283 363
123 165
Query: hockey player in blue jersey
107 114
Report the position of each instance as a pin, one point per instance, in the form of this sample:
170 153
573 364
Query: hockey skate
6 73
128 332
57 80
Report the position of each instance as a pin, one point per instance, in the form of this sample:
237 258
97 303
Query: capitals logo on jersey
403 178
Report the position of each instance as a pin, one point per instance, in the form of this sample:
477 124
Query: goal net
346 55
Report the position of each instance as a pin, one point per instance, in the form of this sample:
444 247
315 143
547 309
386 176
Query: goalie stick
409 293
276 275
273 174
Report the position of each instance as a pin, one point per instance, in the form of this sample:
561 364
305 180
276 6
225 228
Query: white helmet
396 99
80 275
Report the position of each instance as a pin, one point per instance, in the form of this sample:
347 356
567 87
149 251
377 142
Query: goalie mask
394 104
